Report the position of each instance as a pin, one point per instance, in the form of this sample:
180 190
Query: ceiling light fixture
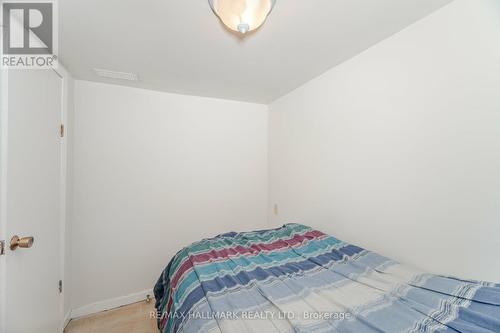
242 15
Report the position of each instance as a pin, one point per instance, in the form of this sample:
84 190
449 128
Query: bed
297 279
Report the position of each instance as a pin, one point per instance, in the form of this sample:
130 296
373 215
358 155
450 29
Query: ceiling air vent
116 75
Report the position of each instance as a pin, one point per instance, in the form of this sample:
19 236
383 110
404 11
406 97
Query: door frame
64 239
66 107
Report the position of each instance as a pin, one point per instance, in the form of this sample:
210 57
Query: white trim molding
111 303
65 322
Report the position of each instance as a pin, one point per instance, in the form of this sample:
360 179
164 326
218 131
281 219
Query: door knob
24 242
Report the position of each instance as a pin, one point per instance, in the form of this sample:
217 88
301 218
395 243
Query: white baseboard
67 318
110 303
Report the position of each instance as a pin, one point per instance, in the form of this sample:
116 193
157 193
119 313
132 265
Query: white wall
398 149
152 173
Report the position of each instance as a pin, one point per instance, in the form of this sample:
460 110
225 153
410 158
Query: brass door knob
25 242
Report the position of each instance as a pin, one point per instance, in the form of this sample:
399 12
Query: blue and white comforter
297 279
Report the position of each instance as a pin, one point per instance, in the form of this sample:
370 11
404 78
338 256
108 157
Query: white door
31 179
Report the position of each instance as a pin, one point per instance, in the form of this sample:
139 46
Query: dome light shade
242 15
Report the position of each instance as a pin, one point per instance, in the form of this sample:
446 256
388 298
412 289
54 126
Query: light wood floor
134 318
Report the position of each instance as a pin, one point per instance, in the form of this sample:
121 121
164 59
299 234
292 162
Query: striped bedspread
297 279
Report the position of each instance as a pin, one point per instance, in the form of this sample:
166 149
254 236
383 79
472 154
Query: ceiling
180 46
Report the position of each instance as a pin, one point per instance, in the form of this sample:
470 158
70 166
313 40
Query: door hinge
2 247
60 286
61 131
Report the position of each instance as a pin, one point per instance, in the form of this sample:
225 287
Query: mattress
298 279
